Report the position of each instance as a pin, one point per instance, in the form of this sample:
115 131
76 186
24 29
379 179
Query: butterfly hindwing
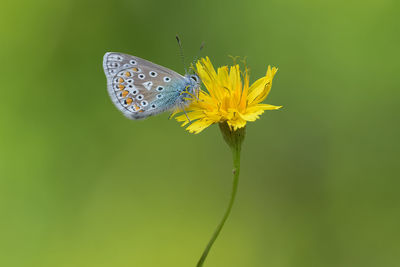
140 88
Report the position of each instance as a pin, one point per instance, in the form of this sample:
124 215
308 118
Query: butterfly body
140 88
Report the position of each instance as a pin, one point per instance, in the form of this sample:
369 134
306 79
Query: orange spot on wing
135 69
120 86
136 107
129 101
121 80
125 93
128 74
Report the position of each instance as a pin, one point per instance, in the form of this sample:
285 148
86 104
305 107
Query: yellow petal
252 116
198 126
243 97
268 107
235 83
236 124
194 115
254 112
223 76
262 86
270 77
255 89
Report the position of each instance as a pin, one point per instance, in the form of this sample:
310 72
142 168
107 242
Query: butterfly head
194 80
192 87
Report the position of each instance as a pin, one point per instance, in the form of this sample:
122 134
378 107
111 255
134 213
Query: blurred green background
81 185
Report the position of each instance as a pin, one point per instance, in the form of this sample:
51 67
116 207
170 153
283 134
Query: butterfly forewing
140 88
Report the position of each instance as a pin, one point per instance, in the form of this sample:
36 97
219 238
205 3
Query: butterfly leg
184 111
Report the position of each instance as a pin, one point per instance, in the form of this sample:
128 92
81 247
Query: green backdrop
81 185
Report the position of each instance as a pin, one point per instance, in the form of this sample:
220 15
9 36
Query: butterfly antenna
198 54
181 52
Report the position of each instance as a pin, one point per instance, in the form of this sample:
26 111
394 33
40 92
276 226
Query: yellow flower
229 99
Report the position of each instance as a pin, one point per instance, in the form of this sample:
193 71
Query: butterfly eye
194 78
160 88
141 76
133 62
153 73
159 96
167 79
144 103
153 106
139 97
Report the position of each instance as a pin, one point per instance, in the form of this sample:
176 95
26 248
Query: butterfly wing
140 88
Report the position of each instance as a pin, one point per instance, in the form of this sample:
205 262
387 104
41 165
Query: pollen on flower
228 98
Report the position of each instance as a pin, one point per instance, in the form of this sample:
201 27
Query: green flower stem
234 139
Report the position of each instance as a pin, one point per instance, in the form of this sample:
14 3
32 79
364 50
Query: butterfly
140 88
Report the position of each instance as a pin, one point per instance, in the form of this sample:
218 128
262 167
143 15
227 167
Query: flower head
229 98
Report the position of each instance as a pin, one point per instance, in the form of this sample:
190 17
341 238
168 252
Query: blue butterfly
140 88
